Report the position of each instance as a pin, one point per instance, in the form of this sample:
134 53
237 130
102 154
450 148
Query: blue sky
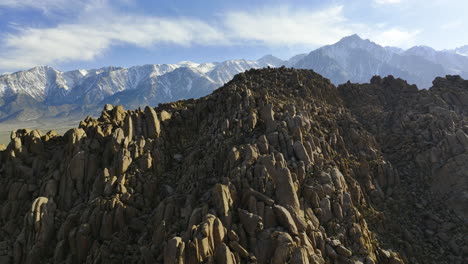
71 34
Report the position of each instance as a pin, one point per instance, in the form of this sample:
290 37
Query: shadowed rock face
277 166
423 133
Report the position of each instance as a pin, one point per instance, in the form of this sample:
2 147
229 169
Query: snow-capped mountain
345 50
38 82
81 90
224 71
357 60
182 83
44 92
352 58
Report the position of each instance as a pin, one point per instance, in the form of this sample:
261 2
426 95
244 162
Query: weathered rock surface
277 166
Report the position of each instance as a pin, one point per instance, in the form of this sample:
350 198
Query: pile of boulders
277 166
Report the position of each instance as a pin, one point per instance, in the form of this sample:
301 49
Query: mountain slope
276 166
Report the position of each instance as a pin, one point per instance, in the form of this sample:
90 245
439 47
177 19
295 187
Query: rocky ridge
277 166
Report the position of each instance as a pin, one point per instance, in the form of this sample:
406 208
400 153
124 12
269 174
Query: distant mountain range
44 92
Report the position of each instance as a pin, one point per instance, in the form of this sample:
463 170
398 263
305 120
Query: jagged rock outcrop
277 166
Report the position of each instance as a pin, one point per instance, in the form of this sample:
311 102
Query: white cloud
384 2
85 41
98 28
284 26
90 37
395 37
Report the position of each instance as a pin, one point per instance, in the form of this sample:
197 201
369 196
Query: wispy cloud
85 41
395 37
99 27
286 26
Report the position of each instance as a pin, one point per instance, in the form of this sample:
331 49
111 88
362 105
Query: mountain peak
423 51
422 47
270 60
352 38
187 64
355 41
267 57
40 68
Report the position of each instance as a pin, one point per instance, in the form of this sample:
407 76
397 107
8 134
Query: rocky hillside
277 166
